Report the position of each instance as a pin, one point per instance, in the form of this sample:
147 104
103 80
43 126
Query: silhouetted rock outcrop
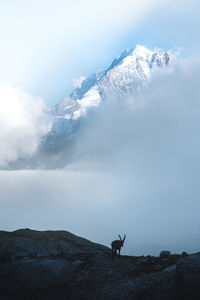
60 265
165 254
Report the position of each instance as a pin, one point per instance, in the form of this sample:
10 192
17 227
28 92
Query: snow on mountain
130 70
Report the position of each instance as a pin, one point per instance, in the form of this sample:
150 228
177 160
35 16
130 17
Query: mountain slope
128 71
60 265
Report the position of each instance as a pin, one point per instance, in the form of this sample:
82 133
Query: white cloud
137 173
151 121
23 121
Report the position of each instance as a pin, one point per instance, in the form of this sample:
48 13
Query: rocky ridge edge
58 264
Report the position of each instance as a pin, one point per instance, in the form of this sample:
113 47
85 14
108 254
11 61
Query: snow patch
76 82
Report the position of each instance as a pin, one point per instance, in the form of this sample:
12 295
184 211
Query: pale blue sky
45 44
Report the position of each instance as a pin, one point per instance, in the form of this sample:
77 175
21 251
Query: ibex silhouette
116 245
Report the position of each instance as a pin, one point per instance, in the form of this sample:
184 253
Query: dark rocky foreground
60 265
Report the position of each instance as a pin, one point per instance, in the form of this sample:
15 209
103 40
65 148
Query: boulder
188 277
184 254
165 254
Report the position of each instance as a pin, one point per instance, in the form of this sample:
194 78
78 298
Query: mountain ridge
130 70
59 265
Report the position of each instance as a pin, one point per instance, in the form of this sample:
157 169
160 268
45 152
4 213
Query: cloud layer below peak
23 121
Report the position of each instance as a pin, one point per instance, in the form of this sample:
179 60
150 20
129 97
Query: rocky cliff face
60 265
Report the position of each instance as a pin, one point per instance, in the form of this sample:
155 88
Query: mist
136 171
23 121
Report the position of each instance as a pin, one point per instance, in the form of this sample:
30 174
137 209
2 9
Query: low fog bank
154 214
136 171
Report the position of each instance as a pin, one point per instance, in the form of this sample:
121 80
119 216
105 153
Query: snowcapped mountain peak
128 71
137 51
140 50
141 53
119 58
